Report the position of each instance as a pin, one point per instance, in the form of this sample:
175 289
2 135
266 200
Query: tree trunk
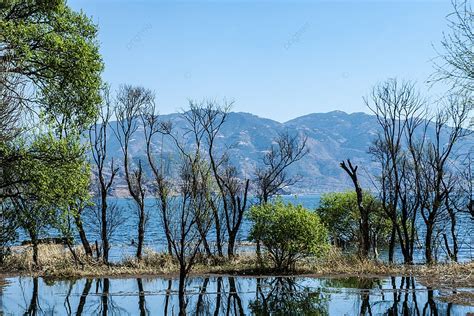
218 297
205 243
231 244
365 234
141 298
105 297
363 211
141 233
453 236
391 246
167 300
82 300
33 307
428 244
182 291
82 235
104 233
259 253
34 243
218 235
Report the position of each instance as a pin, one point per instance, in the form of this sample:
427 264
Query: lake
155 238
225 295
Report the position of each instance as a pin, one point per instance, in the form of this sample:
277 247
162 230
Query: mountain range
331 138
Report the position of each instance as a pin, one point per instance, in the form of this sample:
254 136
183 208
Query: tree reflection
218 296
201 304
430 304
234 303
33 307
230 296
168 293
82 300
105 296
107 305
141 298
284 296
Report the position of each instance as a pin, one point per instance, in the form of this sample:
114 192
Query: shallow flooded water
224 295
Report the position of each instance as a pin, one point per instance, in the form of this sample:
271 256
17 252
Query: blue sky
276 59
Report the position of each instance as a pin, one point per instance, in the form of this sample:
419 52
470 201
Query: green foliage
289 232
340 214
56 176
53 49
8 226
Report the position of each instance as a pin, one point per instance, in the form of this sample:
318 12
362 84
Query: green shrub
288 232
340 214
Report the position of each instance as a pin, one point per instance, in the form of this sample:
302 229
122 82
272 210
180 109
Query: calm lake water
225 295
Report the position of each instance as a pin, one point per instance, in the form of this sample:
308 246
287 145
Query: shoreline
246 266
56 264
457 279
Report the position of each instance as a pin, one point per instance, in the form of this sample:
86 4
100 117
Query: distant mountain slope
332 137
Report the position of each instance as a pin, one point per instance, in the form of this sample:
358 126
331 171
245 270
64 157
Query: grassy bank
57 262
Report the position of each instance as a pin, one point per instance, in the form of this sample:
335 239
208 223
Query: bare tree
450 127
106 172
273 176
398 108
455 62
203 125
364 211
131 102
232 190
234 194
187 218
417 170
153 127
194 154
114 219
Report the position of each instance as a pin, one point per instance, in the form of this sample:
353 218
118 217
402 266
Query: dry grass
460 298
56 261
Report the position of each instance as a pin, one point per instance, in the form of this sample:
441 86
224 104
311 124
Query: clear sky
276 59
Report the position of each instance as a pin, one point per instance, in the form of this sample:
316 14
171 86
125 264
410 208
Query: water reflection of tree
406 296
107 304
284 296
84 294
67 303
141 298
225 302
202 305
167 299
234 303
363 284
33 307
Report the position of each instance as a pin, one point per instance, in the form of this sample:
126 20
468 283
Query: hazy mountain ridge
332 137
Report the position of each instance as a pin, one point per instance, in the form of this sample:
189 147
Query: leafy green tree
8 229
58 178
52 50
288 232
339 212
